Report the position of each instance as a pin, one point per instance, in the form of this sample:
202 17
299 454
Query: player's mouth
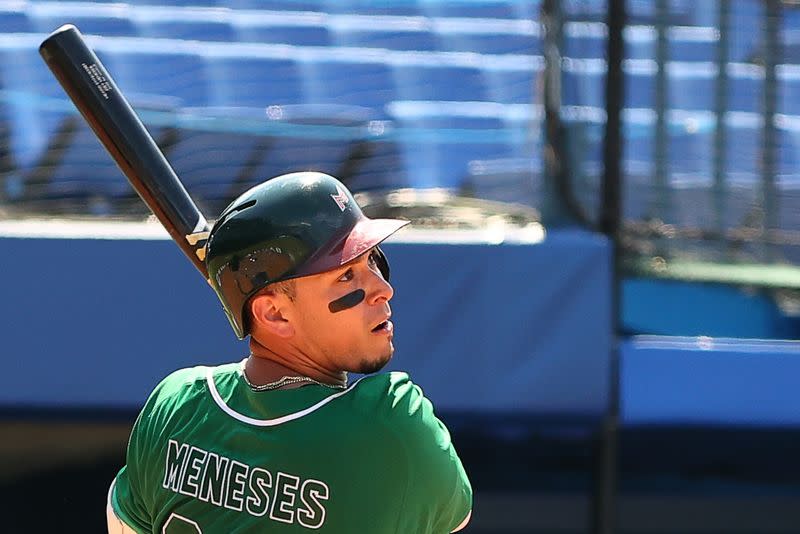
384 327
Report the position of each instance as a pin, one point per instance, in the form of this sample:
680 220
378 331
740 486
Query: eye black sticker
347 301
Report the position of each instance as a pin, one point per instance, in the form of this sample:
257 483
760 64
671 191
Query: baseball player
279 442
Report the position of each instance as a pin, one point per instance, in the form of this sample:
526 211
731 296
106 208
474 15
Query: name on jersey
225 482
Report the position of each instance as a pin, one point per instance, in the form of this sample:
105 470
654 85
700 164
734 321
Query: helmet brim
366 233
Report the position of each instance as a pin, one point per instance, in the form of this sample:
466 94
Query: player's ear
268 313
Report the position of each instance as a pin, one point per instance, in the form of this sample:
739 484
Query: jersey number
177 524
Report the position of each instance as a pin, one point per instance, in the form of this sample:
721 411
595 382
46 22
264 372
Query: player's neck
265 365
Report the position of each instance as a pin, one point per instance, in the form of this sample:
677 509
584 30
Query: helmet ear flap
383 263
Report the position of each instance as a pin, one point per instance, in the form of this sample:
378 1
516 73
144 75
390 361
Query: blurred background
599 291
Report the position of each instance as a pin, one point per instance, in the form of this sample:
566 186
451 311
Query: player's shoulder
184 385
396 409
393 397
383 386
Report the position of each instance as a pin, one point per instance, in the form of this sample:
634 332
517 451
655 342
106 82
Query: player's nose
380 290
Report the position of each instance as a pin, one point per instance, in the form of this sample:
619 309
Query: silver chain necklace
286 380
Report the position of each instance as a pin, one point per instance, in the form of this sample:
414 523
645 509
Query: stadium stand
640 83
173 68
788 87
348 79
394 33
183 29
254 80
13 21
513 79
423 80
517 36
260 30
314 52
440 139
92 18
690 86
743 136
746 88
27 87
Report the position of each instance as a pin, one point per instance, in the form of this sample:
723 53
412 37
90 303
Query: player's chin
373 365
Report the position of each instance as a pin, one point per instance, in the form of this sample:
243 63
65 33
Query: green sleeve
127 498
438 494
134 491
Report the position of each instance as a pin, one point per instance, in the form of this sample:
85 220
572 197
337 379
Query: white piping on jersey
212 387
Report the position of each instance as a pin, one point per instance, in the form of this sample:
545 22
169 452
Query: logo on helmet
341 198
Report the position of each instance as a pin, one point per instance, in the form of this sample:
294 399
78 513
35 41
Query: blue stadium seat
687 167
223 151
178 3
314 137
789 219
254 30
358 83
254 81
28 88
84 171
160 69
788 89
640 42
195 30
691 86
361 7
690 179
585 148
585 40
422 81
691 153
491 43
437 148
639 149
377 167
639 11
743 152
640 84
788 156
788 182
743 156
275 5
638 166
213 160
515 180
583 82
689 43
59 159
514 85
745 39
386 38
491 9
746 87
108 26
517 175
684 43
13 21
679 12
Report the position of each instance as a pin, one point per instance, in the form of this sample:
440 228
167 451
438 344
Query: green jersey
208 454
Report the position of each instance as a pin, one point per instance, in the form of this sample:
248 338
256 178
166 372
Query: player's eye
373 258
347 276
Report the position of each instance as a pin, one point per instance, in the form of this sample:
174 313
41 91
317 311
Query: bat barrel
116 124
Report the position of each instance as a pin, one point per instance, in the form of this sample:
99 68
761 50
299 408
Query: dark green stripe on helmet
294 225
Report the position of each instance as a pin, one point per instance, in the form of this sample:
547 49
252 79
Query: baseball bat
115 123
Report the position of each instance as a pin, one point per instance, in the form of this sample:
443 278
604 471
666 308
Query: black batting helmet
287 227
